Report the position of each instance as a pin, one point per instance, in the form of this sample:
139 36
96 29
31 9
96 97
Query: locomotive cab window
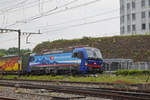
31 59
93 53
78 55
74 55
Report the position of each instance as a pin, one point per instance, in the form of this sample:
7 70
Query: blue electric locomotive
74 60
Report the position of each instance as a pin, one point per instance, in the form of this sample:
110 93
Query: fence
140 65
122 64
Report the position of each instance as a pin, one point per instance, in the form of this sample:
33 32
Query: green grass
129 79
132 72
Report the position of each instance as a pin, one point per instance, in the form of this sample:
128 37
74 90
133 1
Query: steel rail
87 83
6 98
123 95
73 82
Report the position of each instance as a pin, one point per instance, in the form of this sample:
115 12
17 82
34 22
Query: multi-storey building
134 17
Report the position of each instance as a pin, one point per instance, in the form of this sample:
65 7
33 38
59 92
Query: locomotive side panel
54 63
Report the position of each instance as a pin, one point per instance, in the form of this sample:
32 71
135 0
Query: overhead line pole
29 34
19 35
19 44
19 53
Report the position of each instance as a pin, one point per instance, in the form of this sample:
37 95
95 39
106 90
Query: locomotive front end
94 60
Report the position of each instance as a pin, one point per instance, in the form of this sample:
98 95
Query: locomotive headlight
86 63
94 63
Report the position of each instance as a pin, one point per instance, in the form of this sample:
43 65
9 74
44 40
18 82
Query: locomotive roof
58 51
54 52
8 56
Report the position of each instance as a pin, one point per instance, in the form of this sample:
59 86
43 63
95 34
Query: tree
1 54
13 51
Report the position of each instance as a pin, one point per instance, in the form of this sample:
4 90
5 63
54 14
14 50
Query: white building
134 17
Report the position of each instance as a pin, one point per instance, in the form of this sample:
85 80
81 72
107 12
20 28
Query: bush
132 72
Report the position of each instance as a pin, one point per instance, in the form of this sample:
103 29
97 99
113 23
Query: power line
66 9
29 5
48 13
80 19
77 25
35 17
76 20
86 23
34 2
51 10
45 13
6 2
15 5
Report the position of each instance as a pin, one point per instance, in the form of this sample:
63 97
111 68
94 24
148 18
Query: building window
128 17
149 26
122 8
128 6
128 28
122 30
149 14
133 27
143 3
133 16
149 2
143 15
122 19
143 26
133 5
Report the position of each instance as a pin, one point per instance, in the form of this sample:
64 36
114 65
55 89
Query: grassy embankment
129 79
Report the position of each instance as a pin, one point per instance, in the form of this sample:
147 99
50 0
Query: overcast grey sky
57 19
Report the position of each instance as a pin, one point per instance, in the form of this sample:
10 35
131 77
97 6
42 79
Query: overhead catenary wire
42 14
79 19
33 18
77 25
17 6
81 24
2 2
10 8
51 12
28 5
76 20
85 23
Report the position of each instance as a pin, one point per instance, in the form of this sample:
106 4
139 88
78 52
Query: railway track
111 93
142 87
6 98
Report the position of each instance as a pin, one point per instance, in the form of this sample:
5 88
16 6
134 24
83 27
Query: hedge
132 72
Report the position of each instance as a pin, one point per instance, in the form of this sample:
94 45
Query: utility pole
19 44
19 53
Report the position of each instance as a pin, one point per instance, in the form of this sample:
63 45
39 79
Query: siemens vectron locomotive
63 61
